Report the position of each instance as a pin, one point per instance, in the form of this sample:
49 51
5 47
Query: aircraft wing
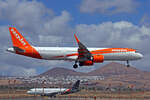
83 53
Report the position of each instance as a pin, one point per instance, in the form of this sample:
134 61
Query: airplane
52 92
81 55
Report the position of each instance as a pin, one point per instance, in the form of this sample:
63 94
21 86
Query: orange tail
17 39
21 46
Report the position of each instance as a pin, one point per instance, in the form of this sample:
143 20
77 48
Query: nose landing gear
128 65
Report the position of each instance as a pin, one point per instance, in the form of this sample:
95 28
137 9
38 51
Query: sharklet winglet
76 38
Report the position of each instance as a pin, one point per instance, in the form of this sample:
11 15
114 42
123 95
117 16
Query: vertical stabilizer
17 39
21 46
76 85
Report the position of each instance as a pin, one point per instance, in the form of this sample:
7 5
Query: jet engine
86 63
95 59
98 59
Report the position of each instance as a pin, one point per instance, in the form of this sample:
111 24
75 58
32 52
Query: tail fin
21 46
18 40
76 85
75 88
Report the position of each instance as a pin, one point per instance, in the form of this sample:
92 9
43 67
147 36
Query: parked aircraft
81 55
51 92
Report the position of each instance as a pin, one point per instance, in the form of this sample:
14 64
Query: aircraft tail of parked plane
76 85
81 55
75 88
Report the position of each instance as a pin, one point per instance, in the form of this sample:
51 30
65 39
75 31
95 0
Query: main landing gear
128 65
75 65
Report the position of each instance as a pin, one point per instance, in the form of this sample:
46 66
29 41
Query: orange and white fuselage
71 53
22 47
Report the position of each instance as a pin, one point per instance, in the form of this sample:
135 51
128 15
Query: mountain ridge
112 68
114 73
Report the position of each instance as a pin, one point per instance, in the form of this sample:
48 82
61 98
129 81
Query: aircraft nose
139 56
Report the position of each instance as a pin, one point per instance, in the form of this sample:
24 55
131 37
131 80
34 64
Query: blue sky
73 7
99 23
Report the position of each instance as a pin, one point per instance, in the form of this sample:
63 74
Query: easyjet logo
18 37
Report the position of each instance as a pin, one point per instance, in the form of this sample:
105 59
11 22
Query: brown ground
101 94
6 82
13 94
83 93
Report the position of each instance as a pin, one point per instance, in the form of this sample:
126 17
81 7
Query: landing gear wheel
75 66
128 65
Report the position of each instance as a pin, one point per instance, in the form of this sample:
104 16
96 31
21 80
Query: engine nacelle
86 63
95 59
98 58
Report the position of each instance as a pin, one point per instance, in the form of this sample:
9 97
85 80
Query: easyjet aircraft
81 55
